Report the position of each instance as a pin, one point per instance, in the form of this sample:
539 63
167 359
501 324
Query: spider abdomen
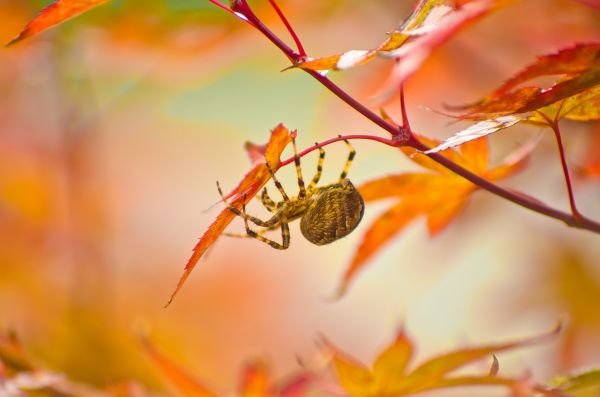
335 211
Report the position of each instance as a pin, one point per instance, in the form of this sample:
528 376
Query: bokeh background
115 126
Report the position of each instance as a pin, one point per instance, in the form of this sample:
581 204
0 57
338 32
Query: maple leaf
390 374
181 379
438 195
576 96
591 160
432 23
250 185
255 380
569 97
13 358
57 12
589 379
591 3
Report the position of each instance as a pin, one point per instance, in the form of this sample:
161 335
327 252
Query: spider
326 213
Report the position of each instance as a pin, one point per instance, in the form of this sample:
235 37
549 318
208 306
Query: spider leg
317 176
349 161
244 235
298 170
285 233
268 203
274 221
277 183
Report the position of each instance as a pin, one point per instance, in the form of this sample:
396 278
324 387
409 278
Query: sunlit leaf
584 106
12 354
579 70
256 381
431 23
250 185
427 374
55 13
590 166
389 375
591 3
439 196
391 364
584 380
184 382
353 376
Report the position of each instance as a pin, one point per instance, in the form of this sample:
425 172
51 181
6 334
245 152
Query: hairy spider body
333 212
327 213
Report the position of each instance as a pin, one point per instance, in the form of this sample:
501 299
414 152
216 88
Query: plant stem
516 198
231 11
403 139
561 150
289 28
385 141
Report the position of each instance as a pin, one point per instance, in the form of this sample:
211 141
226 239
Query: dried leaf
439 196
481 129
495 368
55 13
250 185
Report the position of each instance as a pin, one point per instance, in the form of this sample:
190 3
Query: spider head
334 212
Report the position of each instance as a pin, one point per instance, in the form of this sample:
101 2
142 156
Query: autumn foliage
548 100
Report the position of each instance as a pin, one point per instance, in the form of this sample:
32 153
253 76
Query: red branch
563 161
385 141
407 138
289 28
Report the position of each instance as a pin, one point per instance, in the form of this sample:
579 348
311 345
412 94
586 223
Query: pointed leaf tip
248 187
54 14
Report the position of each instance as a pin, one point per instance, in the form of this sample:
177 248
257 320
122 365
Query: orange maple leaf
439 195
431 24
591 162
250 185
255 381
390 374
55 13
580 67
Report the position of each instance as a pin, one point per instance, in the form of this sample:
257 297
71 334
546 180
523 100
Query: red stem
405 122
561 150
409 139
385 141
289 28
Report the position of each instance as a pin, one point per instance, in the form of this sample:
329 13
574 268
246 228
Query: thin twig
561 150
229 10
385 141
405 122
289 28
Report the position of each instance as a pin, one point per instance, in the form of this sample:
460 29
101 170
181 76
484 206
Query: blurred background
115 126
